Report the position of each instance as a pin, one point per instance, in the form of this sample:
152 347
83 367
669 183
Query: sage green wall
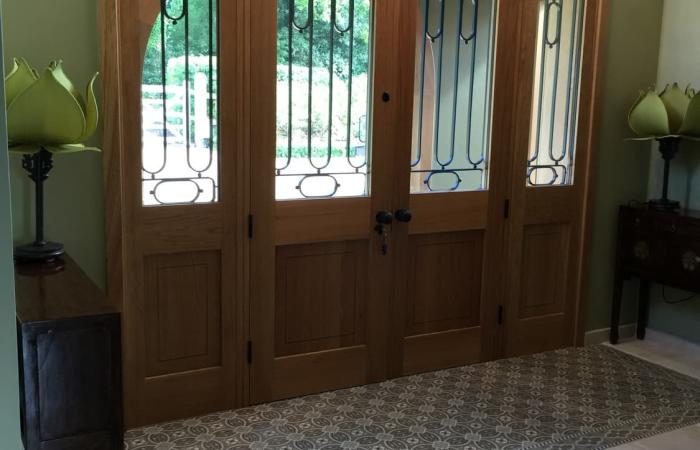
40 31
679 60
622 167
9 384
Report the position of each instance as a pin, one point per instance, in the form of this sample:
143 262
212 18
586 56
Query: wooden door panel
320 334
442 307
444 282
544 270
320 291
183 312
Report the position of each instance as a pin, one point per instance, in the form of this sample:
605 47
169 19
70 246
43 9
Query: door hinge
250 352
500 314
506 208
250 226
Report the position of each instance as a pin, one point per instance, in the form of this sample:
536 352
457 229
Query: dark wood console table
70 360
654 246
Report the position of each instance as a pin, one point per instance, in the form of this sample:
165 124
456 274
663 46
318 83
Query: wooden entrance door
329 307
320 283
444 182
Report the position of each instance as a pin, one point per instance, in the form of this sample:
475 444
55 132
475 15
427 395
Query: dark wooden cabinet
655 246
70 360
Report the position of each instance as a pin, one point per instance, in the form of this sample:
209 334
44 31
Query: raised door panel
443 301
183 310
543 312
320 297
544 270
320 329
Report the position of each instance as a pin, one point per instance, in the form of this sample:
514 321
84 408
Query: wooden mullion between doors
262 76
402 137
234 189
508 102
385 73
523 93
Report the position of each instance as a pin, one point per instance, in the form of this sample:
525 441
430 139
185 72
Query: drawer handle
690 260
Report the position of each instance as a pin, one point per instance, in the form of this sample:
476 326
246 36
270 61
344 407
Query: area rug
584 398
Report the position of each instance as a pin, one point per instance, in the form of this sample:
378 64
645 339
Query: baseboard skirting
602 335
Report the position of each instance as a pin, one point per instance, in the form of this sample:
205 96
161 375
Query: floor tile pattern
585 398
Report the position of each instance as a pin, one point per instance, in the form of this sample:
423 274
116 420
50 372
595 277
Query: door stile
405 59
234 71
507 97
512 102
384 128
263 15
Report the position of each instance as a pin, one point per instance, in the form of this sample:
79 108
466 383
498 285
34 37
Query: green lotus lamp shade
668 117
46 116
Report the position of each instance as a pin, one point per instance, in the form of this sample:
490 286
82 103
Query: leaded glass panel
323 76
452 106
555 108
180 158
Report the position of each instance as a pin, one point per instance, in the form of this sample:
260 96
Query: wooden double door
323 194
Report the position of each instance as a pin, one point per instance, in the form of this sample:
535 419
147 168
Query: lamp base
39 252
664 205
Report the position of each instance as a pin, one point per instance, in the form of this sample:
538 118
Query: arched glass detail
179 104
452 96
323 76
552 150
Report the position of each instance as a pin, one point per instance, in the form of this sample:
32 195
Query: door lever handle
403 215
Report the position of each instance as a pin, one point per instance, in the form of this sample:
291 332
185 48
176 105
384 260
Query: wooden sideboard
654 246
70 360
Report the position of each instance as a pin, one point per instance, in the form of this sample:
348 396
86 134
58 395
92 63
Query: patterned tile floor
586 398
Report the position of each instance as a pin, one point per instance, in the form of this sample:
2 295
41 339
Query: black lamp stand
38 166
668 147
